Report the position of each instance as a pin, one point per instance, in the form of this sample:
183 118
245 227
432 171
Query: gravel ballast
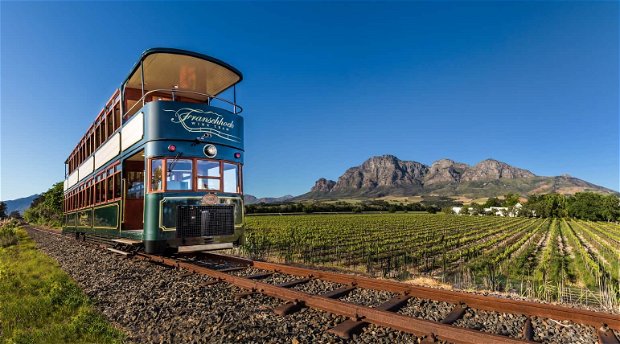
155 304
426 309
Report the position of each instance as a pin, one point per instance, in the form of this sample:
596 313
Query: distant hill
249 199
387 175
20 204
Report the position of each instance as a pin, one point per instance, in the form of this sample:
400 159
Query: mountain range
19 204
249 199
387 175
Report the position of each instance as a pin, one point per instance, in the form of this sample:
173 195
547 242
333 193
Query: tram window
91 142
206 168
208 183
110 188
117 185
89 195
97 192
135 185
230 178
117 116
110 123
156 174
179 174
97 136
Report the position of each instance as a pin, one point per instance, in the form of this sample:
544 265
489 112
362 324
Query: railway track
259 277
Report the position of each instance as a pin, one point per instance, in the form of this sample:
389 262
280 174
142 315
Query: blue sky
327 85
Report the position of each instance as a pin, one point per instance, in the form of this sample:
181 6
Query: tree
586 206
477 208
47 208
2 210
511 199
611 208
492 202
464 210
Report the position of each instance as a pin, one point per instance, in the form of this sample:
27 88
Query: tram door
133 175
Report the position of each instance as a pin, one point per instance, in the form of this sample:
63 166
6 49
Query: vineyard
553 259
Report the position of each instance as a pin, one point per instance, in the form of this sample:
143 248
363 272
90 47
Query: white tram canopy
194 75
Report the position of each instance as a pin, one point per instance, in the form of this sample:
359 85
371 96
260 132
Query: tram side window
110 123
97 136
230 178
117 185
110 188
179 174
98 192
156 175
117 116
208 175
135 185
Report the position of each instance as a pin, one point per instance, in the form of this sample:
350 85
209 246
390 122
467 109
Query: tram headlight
210 151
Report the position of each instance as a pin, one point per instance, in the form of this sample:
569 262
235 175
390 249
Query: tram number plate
209 199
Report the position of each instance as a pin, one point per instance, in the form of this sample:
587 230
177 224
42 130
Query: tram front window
208 175
179 175
230 178
193 175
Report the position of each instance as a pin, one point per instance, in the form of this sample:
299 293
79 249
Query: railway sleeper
455 314
244 294
259 276
338 293
606 335
294 282
528 330
289 308
349 327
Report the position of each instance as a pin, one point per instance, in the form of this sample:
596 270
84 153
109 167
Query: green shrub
8 235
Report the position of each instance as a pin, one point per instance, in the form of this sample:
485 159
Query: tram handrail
236 108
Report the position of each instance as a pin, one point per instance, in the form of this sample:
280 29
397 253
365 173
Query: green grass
39 303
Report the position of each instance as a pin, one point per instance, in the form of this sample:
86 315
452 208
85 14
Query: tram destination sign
206 121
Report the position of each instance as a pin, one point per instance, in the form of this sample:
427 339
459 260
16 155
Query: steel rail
418 327
495 304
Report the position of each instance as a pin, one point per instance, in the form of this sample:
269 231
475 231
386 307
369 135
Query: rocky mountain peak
492 169
445 171
382 171
323 185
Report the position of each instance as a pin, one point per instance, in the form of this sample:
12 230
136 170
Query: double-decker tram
162 162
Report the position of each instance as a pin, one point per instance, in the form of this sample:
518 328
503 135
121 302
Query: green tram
162 162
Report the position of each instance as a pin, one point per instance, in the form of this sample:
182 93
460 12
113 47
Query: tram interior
133 174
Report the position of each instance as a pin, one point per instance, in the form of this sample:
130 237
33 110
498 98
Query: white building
505 211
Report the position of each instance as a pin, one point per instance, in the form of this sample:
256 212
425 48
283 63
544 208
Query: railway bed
427 313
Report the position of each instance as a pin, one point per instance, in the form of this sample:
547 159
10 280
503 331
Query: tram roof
166 68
